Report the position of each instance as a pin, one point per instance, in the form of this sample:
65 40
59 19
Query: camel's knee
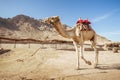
82 57
93 45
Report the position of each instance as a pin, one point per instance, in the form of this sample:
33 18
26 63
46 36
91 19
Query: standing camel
78 36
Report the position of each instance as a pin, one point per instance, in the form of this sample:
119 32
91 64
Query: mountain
22 27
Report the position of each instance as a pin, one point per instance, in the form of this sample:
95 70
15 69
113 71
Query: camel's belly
86 35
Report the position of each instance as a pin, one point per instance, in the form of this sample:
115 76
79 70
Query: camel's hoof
89 63
78 68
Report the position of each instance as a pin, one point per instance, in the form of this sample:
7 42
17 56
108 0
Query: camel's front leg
82 57
77 53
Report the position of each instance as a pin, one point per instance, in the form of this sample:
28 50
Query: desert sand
36 63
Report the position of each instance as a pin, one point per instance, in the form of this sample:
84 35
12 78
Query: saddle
85 25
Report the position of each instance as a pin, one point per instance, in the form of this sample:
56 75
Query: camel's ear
56 17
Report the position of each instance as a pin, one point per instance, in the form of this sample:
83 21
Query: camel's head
52 19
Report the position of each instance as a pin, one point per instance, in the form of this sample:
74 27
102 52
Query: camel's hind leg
82 56
96 53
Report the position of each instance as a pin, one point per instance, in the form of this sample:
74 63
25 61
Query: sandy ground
23 63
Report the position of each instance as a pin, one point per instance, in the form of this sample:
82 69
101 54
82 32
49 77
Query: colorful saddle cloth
86 27
85 24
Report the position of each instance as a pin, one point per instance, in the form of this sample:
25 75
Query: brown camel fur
77 35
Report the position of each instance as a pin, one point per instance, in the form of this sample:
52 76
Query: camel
78 37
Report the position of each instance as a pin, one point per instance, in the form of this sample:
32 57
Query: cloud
101 18
110 33
105 16
114 36
114 33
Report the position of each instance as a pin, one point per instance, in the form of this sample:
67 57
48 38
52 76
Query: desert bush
115 50
111 46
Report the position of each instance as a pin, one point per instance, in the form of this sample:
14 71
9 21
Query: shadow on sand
3 51
71 77
109 66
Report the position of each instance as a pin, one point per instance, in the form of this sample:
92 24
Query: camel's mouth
52 19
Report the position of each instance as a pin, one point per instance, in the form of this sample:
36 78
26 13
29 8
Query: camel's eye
52 18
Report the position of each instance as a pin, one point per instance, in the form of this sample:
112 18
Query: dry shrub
115 50
111 46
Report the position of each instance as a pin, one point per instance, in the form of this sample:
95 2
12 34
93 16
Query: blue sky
103 14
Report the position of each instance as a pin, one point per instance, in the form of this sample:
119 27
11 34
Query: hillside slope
22 26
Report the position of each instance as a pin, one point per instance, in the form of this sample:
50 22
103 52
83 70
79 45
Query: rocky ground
36 63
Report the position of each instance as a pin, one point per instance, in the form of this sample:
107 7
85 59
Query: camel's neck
59 28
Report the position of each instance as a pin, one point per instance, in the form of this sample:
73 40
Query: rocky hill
22 27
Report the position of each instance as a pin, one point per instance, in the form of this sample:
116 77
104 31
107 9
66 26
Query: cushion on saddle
79 21
83 21
86 22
